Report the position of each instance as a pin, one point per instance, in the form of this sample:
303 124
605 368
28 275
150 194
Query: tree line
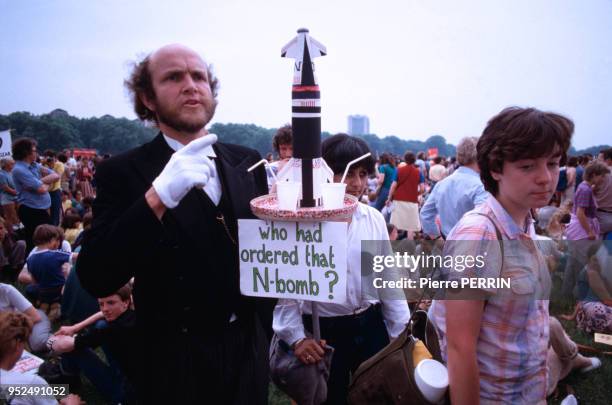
59 130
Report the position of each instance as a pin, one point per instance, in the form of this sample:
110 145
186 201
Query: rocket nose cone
301 30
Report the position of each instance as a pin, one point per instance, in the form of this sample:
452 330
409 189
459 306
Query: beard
190 123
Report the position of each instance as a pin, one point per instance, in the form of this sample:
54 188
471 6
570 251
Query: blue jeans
381 199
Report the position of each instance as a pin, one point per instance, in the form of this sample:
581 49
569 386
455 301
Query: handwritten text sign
299 260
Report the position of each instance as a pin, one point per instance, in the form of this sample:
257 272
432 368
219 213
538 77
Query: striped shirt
513 340
585 199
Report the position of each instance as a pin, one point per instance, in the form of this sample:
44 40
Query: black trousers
224 366
355 339
31 218
56 206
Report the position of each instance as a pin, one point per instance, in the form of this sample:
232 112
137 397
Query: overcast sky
415 68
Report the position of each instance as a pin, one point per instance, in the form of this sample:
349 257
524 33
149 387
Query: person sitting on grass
593 313
77 202
73 227
87 218
46 273
392 231
563 357
12 300
87 204
15 330
116 381
12 254
66 201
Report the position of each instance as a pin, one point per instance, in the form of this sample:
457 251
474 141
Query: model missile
306 107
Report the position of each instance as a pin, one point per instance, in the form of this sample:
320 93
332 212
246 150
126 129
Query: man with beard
166 213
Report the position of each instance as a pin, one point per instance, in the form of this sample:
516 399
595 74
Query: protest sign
298 260
27 363
5 144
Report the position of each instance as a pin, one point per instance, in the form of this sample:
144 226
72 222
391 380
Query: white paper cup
431 377
287 193
333 195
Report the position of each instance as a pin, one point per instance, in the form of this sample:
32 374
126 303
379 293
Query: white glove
187 168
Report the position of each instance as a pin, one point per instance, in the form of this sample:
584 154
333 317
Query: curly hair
140 83
22 148
521 133
283 136
14 327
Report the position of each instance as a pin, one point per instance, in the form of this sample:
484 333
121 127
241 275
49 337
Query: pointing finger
201 162
198 145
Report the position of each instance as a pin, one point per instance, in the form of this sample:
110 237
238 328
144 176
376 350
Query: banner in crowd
5 144
298 260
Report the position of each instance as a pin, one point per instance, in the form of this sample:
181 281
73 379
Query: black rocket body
305 108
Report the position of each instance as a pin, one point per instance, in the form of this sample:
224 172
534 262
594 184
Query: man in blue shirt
32 182
455 195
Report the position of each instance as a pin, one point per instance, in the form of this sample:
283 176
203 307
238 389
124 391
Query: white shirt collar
361 211
176 146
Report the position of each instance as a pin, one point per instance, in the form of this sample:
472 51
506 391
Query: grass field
591 388
594 387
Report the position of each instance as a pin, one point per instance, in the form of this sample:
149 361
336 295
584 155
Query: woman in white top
360 326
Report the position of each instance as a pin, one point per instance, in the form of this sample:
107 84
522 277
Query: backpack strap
497 233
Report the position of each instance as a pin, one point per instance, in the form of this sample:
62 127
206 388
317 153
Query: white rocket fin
316 48
294 49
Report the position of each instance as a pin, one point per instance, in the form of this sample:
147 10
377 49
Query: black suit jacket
176 282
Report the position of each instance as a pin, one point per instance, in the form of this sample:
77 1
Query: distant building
358 125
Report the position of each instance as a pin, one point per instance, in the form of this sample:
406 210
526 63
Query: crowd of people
46 204
136 254
430 201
